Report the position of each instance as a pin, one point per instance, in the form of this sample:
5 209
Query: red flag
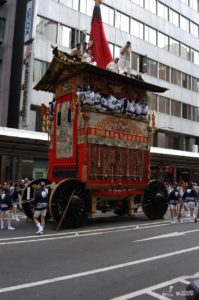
100 49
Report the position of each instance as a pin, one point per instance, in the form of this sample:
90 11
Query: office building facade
165 50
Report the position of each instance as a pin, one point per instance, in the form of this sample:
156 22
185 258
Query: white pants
124 64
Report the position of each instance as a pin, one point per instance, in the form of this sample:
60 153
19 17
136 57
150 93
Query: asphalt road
110 258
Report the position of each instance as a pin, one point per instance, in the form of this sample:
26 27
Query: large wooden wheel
28 197
155 200
70 204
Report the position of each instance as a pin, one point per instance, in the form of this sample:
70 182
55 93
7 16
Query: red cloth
100 50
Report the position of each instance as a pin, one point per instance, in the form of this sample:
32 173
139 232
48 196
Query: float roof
63 67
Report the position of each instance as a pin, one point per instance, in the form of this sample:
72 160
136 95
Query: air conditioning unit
194 148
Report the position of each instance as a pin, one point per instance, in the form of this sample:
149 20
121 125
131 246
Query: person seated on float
77 52
113 66
87 55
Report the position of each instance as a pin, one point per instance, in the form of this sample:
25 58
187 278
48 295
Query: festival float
99 151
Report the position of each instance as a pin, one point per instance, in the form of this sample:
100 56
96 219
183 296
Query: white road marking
152 288
156 295
53 236
168 235
100 270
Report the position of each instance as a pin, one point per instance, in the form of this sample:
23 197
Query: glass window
138 2
135 62
66 34
137 29
194 4
164 72
186 2
175 77
152 100
39 69
107 14
150 35
176 142
186 111
196 114
46 29
122 21
195 56
111 48
175 108
2 28
174 17
152 67
71 3
184 23
163 11
164 105
174 46
184 52
86 7
163 41
195 84
117 51
151 5
186 81
194 29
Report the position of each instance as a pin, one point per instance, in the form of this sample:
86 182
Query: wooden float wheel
70 204
28 197
155 200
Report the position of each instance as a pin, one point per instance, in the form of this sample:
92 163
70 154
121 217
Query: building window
163 41
137 29
152 101
164 72
195 56
151 5
195 84
174 46
163 11
122 21
196 114
176 142
65 36
86 7
174 17
135 61
117 51
164 105
186 81
194 4
107 14
194 29
175 77
39 69
184 52
184 23
150 35
176 108
152 67
71 3
111 46
138 2
186 111
46 29
2 29
185 1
